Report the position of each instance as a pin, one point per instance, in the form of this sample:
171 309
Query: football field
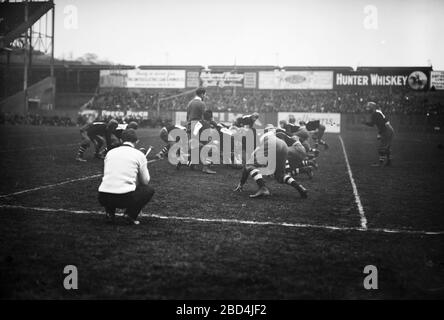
200 240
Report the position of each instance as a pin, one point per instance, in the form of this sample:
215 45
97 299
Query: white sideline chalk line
355 189
236 221
50 185
40 147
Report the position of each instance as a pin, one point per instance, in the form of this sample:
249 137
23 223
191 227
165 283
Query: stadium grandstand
35 85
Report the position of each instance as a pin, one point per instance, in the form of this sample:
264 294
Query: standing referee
195 117
125 179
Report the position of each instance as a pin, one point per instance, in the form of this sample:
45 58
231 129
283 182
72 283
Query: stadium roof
428 68
170 67
222 68
293 68
69 65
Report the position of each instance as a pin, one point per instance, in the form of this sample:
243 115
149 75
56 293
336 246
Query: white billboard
331 121
168 79
437 80
282 80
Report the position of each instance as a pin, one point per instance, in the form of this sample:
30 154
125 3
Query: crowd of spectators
35 120
142 123
247 101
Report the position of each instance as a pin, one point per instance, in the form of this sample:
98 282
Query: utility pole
25 64
52 57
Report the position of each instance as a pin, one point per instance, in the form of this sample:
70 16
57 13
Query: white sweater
125 168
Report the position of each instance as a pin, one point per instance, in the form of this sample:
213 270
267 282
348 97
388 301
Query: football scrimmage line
355 189
236 221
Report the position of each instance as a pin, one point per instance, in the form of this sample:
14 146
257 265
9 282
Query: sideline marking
235 221
50 185
355 189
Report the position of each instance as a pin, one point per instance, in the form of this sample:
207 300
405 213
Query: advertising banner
296 80
193 79
137 114
222 79
331 121
168 79
409 79
250 80
437 80
113 113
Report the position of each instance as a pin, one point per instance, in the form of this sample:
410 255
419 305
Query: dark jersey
285 137
312 125
246 120
95 129
378 119
195 110
291 128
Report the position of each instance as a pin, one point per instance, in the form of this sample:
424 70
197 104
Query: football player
165 136
318 130
246 121
97 133
116 136
298 160
289 128
280 173
385 133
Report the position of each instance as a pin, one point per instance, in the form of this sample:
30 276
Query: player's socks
382 159
309 163
290 181
81 151
163 152
314 152
388 161
257 176
295 172
307 170
287 166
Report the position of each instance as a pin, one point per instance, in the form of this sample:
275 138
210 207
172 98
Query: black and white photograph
239 151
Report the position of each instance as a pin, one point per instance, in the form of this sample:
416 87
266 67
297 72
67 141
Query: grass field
199 240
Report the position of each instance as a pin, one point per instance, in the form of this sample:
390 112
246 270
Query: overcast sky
254 32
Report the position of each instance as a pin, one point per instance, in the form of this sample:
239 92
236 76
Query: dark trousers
133 202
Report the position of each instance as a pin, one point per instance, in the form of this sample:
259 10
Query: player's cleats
239 188
178 166
80 159
130 220
377 164
313 164
205 169
262 192
302 191
326 147
309 171
109 217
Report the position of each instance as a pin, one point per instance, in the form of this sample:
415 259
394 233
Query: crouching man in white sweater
125 180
